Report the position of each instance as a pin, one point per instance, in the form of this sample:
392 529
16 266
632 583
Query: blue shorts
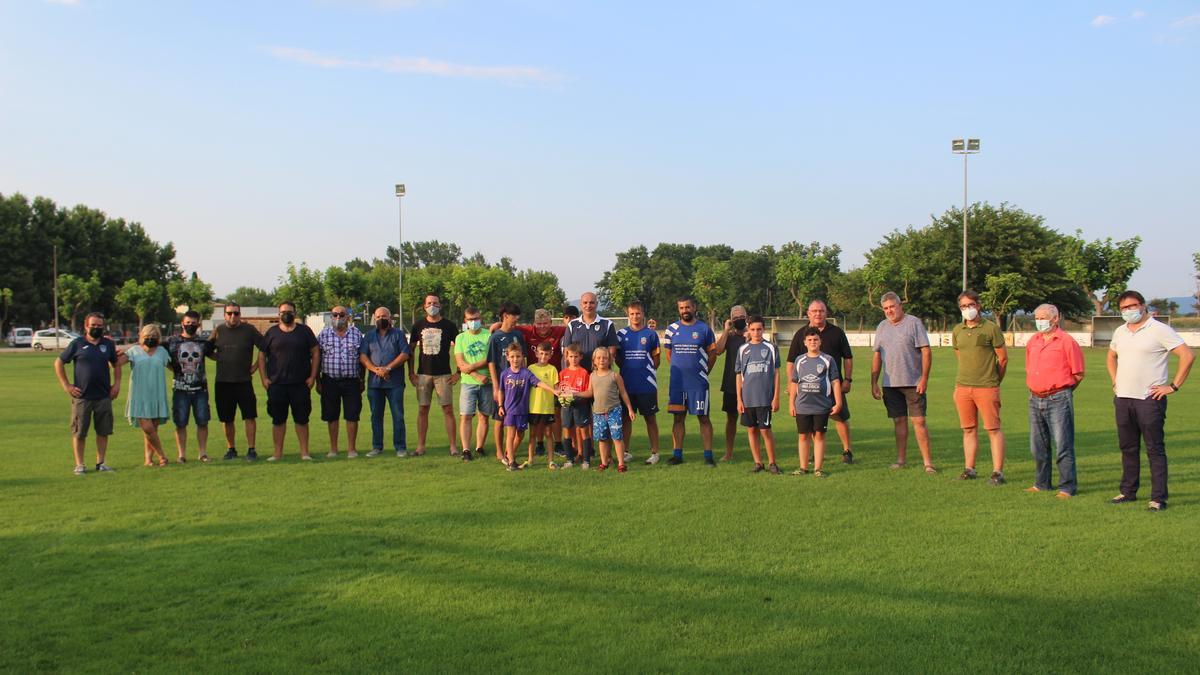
190 404
607 426
516 420
688 402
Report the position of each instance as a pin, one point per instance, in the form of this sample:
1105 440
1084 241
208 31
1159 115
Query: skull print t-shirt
187 359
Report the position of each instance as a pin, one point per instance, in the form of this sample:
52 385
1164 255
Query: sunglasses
233 313
338 314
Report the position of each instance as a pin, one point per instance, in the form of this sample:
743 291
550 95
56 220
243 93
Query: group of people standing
585 382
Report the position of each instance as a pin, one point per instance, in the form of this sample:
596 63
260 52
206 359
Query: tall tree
806 271
140 299
1101 268
250 296
345 285
712 287
75 294
1000 295
6 299
303 286
193 292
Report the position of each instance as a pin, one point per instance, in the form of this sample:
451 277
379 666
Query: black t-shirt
91 366
435 338
733 342
289 354
833 343
187 360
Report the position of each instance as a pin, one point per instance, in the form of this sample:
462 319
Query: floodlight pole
964 147
400 253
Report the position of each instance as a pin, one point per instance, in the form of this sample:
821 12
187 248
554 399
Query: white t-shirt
1142 357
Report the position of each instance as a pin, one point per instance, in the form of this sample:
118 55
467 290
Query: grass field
428 564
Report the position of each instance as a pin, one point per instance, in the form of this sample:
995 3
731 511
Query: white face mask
1042 325
970 314
1131 315
434 310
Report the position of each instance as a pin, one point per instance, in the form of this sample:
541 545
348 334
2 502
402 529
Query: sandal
930 470
204 459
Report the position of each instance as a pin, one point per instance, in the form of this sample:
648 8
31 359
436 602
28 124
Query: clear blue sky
559 132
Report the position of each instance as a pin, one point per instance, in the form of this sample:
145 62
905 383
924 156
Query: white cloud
1186 22
1102 20
415 65
1137 14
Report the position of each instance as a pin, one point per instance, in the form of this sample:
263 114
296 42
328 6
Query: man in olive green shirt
982 360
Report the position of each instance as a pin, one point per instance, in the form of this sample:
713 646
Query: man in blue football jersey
690 345
637 356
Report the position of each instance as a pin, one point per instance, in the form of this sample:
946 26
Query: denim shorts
190 404
476 398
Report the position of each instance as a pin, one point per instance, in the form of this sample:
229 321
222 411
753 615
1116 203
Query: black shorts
758 417
643 404
903 402
340 396
536 418
234 396
578 414
729 402
843 414
809 424
282 397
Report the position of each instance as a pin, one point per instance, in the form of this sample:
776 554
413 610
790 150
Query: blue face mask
1042 325
1131 315
474 324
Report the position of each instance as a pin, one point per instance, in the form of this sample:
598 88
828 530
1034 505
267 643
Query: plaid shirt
339 353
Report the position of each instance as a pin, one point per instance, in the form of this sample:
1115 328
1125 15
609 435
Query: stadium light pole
400 251
964 147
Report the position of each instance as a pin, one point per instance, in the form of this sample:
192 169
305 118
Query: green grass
427 564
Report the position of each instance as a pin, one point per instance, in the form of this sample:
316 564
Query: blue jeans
394 397
190 404
1052 419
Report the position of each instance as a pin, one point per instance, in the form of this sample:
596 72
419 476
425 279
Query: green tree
430 253
806 271
1164 306
481 286
75 294
6 299
303 286
249 296
345 285
619 287
1000 295
140 299
712 288
193 292
1100 268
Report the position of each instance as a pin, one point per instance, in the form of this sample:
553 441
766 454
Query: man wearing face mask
288 364
731 340
982 361
1137 366
91 391
434 335
233 348
1053 368
189 391
340 382
475 395
384 350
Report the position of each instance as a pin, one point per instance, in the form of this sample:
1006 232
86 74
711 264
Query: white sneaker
332 455
307 458
402 453
568 464
628 457
375 453
351 455
103 467
80 469
652 459
273 458
585 466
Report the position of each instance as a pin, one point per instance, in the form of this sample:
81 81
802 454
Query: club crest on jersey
644 340
695 335
763 352
820 368
103 349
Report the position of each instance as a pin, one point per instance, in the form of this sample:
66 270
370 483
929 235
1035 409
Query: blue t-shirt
91 366
689 354
634 356
498 346
381 350
758 364
814 376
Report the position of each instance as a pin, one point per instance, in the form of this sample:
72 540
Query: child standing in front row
814 393
576 412
607 392
541 404
757 368
516 384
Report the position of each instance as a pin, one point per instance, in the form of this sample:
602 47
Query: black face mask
95 333
739 324
151 342
189 330
687 317
287 317
383 324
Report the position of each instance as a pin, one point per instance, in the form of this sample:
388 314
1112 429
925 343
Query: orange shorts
982 400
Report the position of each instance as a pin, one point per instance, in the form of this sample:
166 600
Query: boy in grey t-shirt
814 393
757 366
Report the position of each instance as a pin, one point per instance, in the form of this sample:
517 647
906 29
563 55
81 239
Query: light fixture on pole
964 147
400 253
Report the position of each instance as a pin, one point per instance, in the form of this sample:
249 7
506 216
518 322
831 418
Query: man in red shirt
1053 368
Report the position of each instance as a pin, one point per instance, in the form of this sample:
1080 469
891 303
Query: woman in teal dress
147 405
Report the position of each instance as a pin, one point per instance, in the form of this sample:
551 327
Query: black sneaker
710 461
1122 499
675 461
774 469
758 468
466 455
967 474
997 478
230 454
251 455
847 457
541 451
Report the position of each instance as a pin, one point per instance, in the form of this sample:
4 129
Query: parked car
46 339
117 337
20 337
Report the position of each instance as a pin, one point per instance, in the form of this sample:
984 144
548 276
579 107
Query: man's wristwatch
1173 386
849 380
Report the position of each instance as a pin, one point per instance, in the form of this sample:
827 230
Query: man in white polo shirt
1137 365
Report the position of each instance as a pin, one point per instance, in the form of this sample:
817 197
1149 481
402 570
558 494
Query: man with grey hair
731 340
835 344
383 351
340 379
1053 368
902 353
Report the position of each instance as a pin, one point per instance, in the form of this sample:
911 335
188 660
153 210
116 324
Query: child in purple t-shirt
515 384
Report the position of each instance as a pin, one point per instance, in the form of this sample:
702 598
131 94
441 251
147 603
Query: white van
20 337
